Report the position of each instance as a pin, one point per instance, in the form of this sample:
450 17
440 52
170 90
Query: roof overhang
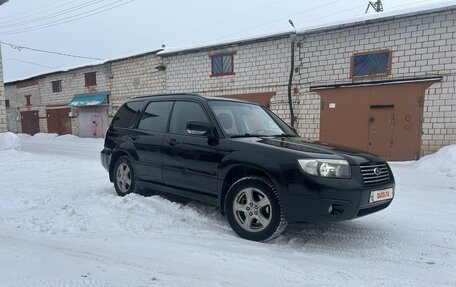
376 83
89 100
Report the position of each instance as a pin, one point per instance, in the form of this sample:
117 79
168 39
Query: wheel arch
235 172
115 156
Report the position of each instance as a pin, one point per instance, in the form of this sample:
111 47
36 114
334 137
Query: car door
189 161
147 139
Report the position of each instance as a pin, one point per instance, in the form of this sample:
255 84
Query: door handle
134 137
172 142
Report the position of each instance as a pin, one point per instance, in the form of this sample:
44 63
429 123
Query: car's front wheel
253 209
125 180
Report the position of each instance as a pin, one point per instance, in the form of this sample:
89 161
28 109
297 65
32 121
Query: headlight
326 167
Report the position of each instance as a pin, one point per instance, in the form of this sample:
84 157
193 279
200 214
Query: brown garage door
385 120
30 122
259 98
58 121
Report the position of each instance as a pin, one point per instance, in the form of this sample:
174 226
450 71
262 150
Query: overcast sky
122 27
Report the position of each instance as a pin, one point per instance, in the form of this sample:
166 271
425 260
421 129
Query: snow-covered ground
61 225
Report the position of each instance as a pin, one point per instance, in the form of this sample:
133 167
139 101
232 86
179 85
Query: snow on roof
416 9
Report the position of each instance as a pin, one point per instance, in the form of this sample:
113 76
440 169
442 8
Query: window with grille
371 64
222 64
56 86
90 79
7 104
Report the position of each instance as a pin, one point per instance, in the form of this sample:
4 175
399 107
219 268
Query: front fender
255 161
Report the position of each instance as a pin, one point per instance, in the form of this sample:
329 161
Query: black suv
242 158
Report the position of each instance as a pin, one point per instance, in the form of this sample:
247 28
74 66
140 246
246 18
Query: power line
53 15
69 19
311 20
31 63
284 18
226 20
20 48
24 13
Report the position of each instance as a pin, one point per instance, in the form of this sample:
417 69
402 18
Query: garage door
30 122
385 120
259 98
58 121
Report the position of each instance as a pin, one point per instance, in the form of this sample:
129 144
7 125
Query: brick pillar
2 98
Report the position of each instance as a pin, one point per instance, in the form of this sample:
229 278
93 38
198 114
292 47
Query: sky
107 29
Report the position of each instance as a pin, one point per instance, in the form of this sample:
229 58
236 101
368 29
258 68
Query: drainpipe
290 80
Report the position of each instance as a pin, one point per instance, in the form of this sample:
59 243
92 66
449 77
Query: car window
226 119
127 114
155 117
237 119
184 112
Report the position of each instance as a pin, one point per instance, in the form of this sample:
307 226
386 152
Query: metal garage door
383 119
58 121
30 122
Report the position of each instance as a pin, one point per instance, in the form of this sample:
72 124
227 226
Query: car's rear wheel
253 209
125 180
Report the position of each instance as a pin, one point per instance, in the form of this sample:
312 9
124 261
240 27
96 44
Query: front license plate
379 195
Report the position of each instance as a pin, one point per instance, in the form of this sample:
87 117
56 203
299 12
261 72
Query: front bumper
340 200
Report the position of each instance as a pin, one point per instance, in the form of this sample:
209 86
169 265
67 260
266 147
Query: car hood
317 149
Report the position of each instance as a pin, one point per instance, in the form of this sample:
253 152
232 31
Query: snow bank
443 162
9 141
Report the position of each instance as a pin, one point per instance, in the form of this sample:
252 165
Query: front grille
375 173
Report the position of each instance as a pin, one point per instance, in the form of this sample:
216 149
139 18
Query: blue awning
92 99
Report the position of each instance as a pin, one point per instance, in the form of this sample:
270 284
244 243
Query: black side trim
203 197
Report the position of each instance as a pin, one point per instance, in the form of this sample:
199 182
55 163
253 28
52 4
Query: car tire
253 209
125 179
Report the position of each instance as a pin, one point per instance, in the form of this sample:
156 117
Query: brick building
384 85
403 109
81 100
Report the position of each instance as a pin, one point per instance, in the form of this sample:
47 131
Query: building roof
94 64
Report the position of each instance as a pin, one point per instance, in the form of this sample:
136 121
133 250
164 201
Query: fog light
330 209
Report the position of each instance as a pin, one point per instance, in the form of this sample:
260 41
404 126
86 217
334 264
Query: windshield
244 119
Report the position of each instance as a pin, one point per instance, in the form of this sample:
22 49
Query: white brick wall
136 77
18 102
258 67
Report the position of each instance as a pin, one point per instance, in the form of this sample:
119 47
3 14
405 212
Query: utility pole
378 6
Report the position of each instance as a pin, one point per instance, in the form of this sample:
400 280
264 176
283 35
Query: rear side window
127 114
184 112
155 117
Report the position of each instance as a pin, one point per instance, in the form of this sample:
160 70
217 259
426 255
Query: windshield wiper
247 135
284 136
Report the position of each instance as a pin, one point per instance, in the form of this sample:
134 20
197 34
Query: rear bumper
105 156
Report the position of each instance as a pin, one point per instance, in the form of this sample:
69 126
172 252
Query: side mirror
198 128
